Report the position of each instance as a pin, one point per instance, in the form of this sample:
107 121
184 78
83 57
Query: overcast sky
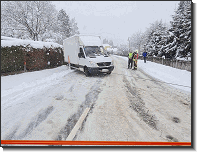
117 20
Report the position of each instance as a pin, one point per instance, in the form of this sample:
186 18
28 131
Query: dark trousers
144 59
135 64
130 62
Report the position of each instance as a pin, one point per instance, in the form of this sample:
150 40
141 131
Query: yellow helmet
136 51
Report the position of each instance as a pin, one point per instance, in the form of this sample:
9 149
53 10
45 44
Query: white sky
117 20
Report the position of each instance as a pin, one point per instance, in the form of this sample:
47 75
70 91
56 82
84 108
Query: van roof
89 40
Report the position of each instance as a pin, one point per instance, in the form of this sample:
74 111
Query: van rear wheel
87 73
72 68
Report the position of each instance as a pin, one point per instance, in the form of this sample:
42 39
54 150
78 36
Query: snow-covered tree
105 41
170 47
122 50
63 23
179 39
155 38
111 43
29 19
74 27
137 41
185 37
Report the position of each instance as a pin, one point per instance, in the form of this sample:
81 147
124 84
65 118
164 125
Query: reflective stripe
134 57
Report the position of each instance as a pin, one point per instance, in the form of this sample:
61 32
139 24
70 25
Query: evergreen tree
111 43
105 41
64 24
160 38
170 46
147 38
179 40
155 39
74 27
185 37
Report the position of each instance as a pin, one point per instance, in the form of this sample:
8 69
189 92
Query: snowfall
180 79
16 88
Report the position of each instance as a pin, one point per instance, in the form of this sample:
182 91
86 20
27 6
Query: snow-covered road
134 106
126 105
25 106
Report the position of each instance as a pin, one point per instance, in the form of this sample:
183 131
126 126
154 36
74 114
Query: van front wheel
87 73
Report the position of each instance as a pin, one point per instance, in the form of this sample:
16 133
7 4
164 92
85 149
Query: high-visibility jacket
130 55
135 57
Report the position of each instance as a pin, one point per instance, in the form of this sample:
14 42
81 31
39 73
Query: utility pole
129 43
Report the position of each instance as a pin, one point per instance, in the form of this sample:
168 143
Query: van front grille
104 64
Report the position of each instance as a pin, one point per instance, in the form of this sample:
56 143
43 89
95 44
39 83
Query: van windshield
92 51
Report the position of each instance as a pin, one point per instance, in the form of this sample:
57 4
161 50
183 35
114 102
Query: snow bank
8 42
184 59
13 83
25 84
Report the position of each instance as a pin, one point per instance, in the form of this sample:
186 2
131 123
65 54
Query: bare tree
137 41
32 17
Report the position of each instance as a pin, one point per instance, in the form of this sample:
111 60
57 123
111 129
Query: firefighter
130 59
135 57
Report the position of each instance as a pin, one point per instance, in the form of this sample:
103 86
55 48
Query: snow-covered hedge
8 41
37 55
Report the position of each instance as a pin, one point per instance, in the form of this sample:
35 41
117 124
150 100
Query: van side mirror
81 55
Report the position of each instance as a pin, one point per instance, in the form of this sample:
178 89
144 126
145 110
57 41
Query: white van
86 53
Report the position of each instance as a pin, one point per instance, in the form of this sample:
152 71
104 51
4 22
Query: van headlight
93 64
112 63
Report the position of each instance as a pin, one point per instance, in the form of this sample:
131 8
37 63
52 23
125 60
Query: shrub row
13 58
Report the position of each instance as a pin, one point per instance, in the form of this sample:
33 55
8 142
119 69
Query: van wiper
105 55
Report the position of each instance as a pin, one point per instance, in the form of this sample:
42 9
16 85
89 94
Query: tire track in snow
137 104
42 115
90 99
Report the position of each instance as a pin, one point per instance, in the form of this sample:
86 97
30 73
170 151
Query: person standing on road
130 61
135 57
144 55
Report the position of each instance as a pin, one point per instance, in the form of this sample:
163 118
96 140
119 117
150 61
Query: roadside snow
180 79
29 83
37 105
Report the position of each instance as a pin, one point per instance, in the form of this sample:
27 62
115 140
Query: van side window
81 51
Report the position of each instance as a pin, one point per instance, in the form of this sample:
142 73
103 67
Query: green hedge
55 57
13 58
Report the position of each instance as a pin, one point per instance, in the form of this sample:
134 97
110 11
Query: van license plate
105 70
